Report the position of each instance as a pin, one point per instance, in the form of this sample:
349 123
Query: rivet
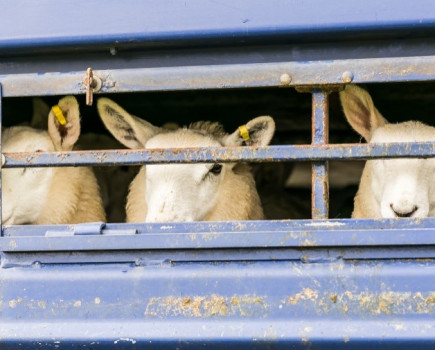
113 51
3 160
347 77
285 79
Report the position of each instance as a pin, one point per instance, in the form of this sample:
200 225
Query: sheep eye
216 169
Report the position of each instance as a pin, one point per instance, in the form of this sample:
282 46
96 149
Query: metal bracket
93 84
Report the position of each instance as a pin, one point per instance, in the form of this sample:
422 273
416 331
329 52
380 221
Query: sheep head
390 188
179 192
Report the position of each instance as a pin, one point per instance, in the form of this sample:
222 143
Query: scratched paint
320 136
369 70
222 154
365 302
203 306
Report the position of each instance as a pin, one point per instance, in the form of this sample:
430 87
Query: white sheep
113 181
64 195
188 192
390 188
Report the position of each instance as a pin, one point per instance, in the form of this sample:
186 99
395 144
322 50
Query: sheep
390 188
64 195
188 192
113 181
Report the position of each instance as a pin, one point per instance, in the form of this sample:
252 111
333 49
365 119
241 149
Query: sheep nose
405 213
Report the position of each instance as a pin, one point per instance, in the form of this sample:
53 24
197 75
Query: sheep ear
259 132
360 111
40 114
65 135
131 131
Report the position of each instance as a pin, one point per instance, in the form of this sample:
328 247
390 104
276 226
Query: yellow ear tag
244 132
58 114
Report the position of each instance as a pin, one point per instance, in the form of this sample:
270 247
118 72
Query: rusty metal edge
311 73
221 154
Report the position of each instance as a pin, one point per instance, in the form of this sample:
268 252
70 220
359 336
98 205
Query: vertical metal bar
1 160
320 135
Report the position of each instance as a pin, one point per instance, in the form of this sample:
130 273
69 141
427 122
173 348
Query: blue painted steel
335 304
105 24
228 235
222 154
320 136
369 70
259 284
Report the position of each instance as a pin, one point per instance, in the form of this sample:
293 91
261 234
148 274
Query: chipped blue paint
222 154
320 136
234 235
255 284
369 70
253 304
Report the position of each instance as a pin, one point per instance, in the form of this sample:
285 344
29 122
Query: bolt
113 51
285 79
347 77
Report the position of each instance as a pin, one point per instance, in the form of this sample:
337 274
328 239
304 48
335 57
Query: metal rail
221 154
371 70
298 234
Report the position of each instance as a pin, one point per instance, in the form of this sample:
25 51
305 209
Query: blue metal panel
258 284
334 304
167 22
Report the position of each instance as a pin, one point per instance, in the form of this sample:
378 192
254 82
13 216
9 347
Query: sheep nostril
404 214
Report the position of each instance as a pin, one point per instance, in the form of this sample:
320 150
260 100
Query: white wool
390 188
49 195
187 192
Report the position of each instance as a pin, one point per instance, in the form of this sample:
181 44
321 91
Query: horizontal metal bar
163 257
300 234
221 154
371 70
247 333
237 226
227 240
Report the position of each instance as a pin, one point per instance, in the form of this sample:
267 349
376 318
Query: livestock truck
308 277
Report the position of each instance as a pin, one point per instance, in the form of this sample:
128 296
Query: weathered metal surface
333 304
391 69
222 154
320 136
258 284
224 235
